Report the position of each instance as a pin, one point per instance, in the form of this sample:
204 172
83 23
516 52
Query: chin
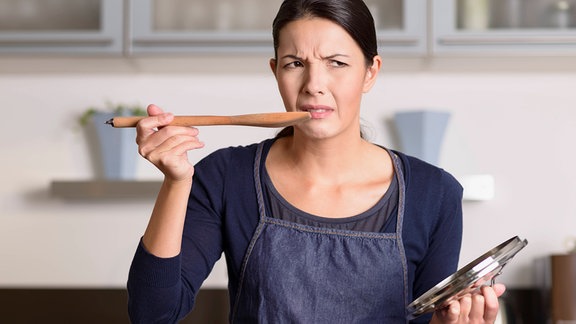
316 133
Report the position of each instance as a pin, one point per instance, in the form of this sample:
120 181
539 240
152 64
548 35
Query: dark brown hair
352 15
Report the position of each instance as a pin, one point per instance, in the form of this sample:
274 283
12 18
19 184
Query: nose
315 81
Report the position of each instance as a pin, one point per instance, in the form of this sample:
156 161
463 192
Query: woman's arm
166 148
163 235
481 307
156 292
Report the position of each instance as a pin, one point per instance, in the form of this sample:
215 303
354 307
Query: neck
331 159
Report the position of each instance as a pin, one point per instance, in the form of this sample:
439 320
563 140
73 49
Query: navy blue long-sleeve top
222 216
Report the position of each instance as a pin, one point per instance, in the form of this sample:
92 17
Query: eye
293 65
336 63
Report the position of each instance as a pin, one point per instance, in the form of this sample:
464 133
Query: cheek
349 90
287 93
288 87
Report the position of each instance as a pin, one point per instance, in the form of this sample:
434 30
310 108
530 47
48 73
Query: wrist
178 183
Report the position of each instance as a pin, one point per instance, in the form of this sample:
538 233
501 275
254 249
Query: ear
273 65
372 73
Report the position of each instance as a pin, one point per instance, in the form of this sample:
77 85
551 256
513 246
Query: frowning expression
322 70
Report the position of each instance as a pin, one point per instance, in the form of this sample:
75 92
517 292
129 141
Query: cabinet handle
203 39
529 40
55 41
398 41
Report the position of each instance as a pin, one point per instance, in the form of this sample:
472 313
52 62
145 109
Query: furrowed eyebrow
330 57
290 56
335 56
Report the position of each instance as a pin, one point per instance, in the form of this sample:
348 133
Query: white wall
518 125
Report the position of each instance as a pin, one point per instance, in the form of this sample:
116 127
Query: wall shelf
476 188
105 189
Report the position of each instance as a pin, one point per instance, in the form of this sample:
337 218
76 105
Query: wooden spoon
281 119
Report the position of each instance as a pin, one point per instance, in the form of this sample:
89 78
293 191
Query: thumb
156 120
499 289
154 110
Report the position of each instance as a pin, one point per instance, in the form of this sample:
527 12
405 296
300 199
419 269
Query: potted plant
113 151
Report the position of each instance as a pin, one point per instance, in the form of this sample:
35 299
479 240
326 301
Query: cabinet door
171 26
163 26
504 26
401 26
61 26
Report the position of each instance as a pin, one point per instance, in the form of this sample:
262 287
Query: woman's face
321 69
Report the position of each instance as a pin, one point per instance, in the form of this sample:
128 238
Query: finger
165 139
155 121
179 145
491 304
465 307
451 313
178 150
149 125
162 119
477 307
499 289
171 157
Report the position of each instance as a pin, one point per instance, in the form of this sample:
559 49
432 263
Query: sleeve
444 243
152 281
163 290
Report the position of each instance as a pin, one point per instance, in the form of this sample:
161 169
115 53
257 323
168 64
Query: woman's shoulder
423 173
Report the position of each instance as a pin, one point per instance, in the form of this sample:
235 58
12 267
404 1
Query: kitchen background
507 81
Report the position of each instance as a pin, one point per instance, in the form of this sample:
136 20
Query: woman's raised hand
166 146
475 308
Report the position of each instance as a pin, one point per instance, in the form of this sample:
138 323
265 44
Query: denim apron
295 273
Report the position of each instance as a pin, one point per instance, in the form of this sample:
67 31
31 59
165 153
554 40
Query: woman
317 225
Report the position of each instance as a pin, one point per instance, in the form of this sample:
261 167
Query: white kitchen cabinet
174 26
485 27
61 26
407 28
401 26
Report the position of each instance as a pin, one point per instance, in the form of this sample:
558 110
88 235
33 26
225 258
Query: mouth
317 111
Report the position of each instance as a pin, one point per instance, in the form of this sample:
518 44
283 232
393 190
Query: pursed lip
317 111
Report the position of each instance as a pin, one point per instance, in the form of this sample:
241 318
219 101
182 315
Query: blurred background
503 70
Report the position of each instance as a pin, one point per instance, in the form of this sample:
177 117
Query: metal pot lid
468 279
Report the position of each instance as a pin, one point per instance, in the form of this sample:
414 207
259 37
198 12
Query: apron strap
258 181
400 218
